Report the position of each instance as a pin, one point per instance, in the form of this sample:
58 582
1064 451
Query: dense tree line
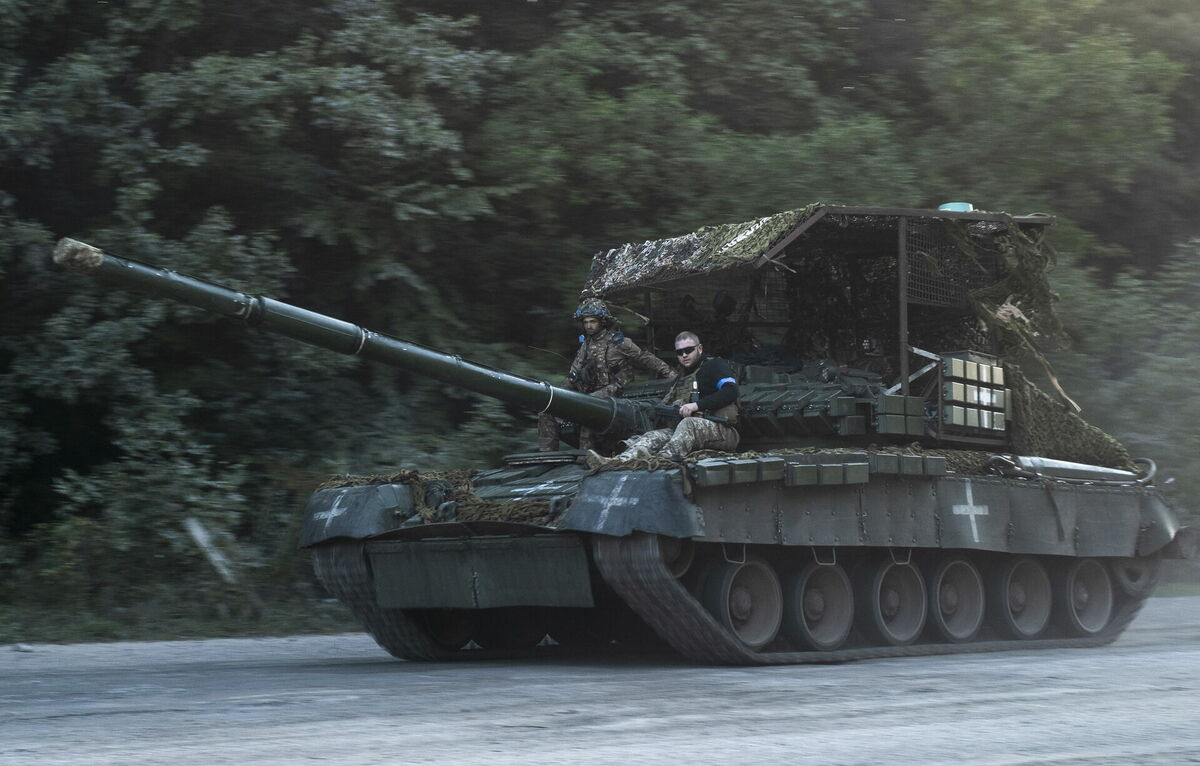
443 171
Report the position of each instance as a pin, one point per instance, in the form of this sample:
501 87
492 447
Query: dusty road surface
341 700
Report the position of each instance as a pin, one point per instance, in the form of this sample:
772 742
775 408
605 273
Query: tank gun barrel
605 415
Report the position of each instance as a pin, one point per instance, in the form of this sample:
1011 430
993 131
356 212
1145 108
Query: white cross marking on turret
617 498
972 510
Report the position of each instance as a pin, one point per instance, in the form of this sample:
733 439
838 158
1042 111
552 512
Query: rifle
669 413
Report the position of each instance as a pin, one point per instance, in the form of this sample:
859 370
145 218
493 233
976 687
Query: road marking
972 510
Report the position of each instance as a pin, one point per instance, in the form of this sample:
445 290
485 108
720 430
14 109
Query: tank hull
731 561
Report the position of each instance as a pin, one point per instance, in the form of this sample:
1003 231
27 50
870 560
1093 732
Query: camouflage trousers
690 435
547 438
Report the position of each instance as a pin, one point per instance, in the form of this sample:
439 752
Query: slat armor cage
867 288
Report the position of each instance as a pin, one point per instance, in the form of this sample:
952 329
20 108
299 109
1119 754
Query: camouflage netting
973 283
1019 306
713 248
1018 309
432 488
1047 428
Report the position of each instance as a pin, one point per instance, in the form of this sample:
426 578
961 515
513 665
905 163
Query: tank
901 487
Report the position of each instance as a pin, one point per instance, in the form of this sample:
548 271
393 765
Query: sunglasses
684 351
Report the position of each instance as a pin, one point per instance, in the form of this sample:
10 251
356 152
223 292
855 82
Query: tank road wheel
746 599
956 600
1019 594
818 606
1136 577
891 601
1084 597
678 554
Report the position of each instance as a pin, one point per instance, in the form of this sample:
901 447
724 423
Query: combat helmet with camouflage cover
594 307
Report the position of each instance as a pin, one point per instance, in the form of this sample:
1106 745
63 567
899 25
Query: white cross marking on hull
616 499
332 513
972 510
552 484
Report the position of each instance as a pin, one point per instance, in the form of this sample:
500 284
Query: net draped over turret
881 289
901 487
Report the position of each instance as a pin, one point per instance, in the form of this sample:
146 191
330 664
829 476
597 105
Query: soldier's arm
577 364
612 389
644 359
717 385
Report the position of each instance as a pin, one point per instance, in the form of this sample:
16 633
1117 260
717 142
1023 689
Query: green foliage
443 171
125 516
1135 359
1032 107
297 156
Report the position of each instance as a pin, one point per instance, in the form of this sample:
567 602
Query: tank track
341 566
343 569
634 568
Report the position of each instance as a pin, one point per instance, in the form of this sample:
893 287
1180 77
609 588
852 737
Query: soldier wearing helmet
602 367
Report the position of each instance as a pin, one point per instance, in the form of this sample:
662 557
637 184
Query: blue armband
721 383
581 339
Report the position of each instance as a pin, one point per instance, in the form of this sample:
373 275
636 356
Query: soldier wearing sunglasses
704 385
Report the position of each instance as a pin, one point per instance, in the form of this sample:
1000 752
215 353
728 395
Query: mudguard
354 512
619 503
1159 525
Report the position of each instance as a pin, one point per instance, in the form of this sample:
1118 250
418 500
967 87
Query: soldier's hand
689 409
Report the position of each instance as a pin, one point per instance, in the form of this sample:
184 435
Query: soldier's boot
646 445
596 460
634 452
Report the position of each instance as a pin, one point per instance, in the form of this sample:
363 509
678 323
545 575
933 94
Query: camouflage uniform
602 367
692 433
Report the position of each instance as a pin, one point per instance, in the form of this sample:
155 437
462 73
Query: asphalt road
340 699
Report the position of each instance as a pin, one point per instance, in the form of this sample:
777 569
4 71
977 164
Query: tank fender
354 512
1183 546
1159 526
619 503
